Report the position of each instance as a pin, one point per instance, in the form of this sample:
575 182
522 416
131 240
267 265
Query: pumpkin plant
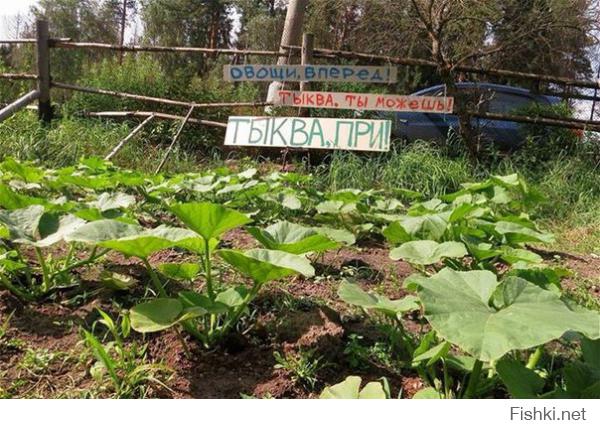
37 229
212 313
490 318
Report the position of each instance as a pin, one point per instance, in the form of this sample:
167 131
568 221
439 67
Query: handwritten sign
309 133
316 73
343 100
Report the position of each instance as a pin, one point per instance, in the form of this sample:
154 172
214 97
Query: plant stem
191 329
186 350
6 283
238 313
27 269
473 379
208 269
446 379
89 260
69 256
535 357
45 271
155 280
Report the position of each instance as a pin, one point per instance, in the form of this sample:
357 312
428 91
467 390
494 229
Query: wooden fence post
308 43
43 69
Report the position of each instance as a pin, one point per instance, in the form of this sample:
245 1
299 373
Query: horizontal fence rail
330 53
154 99
19 103
18 76
51 41
158 115
575 124
181 49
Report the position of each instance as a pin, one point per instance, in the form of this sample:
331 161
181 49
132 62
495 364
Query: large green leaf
265 265
56 230
521 382
208 219
337 235
114 201
292 238
12 200
516 234
194 299
180 271
27 172
428 226
350 389
427 252
131 240
160 314
353 294
150 241
103 230
22 224
396 234
520 315
427 393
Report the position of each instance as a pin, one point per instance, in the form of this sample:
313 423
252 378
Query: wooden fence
44 82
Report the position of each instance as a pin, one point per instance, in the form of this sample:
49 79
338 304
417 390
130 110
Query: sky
8 10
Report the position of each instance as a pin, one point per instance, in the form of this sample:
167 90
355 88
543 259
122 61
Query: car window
506 103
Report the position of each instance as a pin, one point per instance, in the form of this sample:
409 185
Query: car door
424 126
505 133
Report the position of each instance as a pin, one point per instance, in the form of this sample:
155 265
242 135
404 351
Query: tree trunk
122 35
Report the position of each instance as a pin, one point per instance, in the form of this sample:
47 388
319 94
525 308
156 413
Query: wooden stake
43 68
308 41
175 137
136 130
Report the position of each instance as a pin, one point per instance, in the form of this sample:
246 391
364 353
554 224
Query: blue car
493 98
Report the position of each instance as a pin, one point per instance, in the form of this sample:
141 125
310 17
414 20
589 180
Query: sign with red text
343 100
315 73
309 133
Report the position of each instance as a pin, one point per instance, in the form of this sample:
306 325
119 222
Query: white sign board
314 73
343 100
309 133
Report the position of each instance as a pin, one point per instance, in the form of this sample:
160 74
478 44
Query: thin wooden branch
158 115
19 103
153 99
576 124
330 53
136 130
175 138
18 76
182 49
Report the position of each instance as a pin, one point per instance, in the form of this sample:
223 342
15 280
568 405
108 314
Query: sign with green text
309 133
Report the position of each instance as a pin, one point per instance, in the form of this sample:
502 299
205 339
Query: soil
290 318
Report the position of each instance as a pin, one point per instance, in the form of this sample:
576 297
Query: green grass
419 167
68 139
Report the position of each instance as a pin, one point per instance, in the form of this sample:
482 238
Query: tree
204 23
489 32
